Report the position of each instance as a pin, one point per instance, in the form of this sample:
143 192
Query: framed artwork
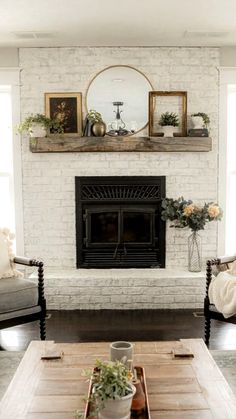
67 109
161 102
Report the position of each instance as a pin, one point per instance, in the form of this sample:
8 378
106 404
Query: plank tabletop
182 387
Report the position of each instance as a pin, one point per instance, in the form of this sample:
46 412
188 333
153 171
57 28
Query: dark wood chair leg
42 324
207 330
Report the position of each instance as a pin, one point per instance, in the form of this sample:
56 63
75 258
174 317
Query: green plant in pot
38 125
97 123
112 390
200 120
168 120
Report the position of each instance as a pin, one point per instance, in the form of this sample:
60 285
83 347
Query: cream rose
189 210
213 211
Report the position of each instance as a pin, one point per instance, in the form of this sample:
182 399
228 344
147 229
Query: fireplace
118 222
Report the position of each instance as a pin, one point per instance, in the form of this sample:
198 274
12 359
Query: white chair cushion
17 294
7 267
232 269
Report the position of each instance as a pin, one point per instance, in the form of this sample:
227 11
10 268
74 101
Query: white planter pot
197 122
119 408
168 130
38 130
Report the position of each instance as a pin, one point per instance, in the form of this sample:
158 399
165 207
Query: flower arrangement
169 119
184 213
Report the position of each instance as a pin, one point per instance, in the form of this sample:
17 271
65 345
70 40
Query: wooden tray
145 413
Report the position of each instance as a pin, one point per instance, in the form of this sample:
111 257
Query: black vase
87 131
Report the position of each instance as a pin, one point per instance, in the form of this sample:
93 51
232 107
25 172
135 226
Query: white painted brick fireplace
49 179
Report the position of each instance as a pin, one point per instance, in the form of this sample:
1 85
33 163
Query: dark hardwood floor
111 325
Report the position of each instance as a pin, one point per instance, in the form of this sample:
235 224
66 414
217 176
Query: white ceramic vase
122 351
168 130
37 130
118 408
197 122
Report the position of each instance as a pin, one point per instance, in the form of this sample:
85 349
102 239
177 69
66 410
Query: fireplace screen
119 227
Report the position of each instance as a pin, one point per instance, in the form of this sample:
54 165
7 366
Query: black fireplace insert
118 222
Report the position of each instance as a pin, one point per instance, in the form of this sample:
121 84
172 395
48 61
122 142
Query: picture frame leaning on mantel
67 109
158 104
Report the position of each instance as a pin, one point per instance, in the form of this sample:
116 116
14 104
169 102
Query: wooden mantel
59 143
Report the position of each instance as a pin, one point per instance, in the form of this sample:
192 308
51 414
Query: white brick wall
48 179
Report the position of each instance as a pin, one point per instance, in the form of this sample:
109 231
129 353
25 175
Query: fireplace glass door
116 226
102 227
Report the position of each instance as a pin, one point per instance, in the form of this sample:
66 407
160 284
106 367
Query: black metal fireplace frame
90 192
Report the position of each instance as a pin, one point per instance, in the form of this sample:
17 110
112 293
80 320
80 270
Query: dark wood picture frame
152 103
66 108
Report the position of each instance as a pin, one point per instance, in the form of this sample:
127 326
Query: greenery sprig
50 124
169 118
94 116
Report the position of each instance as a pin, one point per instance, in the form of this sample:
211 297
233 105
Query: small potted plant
38 125
112 390
168 121
200 120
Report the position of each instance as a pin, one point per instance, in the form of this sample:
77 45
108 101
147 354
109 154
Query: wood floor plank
113 325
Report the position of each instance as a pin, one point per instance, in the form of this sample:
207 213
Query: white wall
9 57
228 56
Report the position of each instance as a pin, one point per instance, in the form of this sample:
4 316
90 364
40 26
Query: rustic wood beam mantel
59 143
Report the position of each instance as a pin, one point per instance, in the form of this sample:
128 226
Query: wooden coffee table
178 388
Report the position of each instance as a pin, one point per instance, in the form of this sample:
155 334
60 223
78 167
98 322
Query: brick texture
48 179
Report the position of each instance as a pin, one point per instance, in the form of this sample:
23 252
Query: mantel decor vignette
120 133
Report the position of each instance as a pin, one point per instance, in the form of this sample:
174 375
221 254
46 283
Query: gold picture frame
66 108
153 107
